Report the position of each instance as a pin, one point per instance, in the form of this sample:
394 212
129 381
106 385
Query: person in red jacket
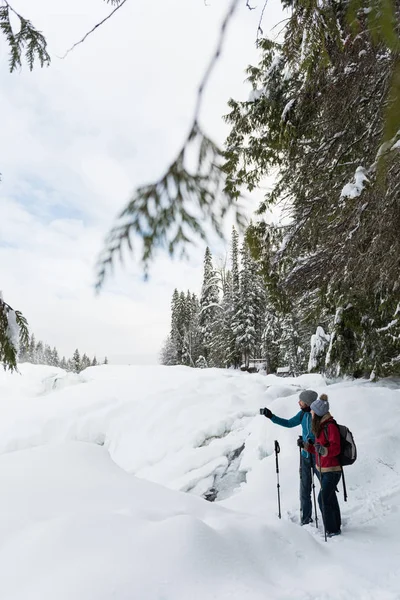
326 449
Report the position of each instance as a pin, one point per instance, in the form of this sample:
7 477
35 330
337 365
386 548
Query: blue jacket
301 418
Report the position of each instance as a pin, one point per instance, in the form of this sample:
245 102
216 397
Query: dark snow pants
328 503
306 468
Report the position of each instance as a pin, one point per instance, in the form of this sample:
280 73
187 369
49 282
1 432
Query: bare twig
214 59
94 28
260 29
250 7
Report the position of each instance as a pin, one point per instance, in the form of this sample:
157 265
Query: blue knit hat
320 406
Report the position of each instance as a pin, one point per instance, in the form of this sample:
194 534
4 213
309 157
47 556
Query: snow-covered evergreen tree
234 355
39 355
176 333
23 355
319 346
55 359
226 339
94 361
292 351
191 338
32 350
76 362
85 362
209 307
201 363
272 336
168 352
47 356
248 320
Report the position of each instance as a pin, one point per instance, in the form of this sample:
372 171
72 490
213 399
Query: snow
352 190
256 94
93 468
396 145
13 330
319 342
287 108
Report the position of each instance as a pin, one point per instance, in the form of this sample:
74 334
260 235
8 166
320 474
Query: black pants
307 467
328 501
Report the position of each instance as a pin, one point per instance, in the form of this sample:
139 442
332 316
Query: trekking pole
315 501
277 450
322 495
301 482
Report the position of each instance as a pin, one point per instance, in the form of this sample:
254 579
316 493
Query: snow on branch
354 189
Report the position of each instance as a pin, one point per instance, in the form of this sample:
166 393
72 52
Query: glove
320 449
266 412
300 442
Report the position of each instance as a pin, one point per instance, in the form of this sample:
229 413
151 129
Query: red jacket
329 459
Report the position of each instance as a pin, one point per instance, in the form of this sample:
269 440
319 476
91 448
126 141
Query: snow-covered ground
93 469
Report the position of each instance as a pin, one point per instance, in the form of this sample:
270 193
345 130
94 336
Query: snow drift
86 462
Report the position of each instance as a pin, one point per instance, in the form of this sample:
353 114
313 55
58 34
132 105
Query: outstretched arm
293 422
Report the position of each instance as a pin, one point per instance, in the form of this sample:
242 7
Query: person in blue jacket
307 461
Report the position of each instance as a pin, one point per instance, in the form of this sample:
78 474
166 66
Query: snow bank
75 525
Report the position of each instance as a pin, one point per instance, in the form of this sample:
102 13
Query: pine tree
85 362
319 346
13 333
316 116
176 328
94 361
23 355
272 336
76 362
55 359
225 337
168 352
244 323
47 355
292 353
64 364
105 361
190 330
234 356
39 354
209 307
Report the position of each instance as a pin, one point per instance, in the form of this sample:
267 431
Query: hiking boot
333 533
307 522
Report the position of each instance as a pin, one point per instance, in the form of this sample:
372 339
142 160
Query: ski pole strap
344 485
277 448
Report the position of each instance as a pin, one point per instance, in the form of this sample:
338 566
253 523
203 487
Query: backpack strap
341 467
326 435
326 429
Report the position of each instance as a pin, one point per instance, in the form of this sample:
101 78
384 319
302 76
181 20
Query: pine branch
118 4
27 40
8 351
161 213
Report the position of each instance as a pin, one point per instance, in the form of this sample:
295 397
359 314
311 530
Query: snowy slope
95 519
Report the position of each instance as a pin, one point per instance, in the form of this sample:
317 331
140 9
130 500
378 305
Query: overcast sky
78 137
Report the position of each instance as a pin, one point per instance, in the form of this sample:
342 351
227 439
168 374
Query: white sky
78 137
